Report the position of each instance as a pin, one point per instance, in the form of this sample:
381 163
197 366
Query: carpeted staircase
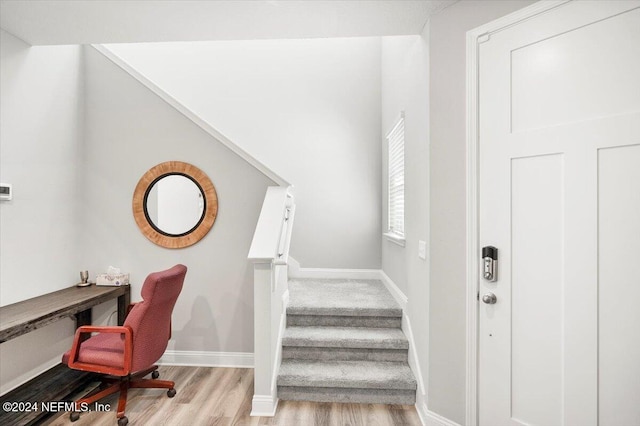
343 343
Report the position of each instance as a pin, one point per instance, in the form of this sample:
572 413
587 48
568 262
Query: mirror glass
174 205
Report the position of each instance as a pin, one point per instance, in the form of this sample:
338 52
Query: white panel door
559 179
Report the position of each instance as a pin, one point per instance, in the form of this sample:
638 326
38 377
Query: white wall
309 110
405 87
447 308
74 170
41 116
128 130
40 124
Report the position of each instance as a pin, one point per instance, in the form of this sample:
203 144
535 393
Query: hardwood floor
222 396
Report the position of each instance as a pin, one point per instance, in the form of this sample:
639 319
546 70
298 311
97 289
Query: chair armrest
120 329
105 369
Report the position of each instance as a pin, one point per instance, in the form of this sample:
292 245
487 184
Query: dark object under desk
58 383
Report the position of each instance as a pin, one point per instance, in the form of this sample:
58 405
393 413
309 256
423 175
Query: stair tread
345 337
346 374
341 297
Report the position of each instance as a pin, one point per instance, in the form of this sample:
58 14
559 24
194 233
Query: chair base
111 385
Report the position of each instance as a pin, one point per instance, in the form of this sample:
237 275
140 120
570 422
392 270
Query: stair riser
337 312
342 354
343 321
347 395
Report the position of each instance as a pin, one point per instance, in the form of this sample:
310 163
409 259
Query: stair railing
269 254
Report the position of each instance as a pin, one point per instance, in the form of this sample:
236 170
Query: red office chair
129 352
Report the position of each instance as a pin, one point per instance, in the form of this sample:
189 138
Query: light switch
422 249
6 192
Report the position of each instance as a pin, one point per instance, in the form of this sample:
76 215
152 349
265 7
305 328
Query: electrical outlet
422 250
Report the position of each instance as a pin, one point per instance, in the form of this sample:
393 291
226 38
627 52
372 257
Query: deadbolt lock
490 263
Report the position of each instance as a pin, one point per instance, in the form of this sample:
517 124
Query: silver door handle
489 298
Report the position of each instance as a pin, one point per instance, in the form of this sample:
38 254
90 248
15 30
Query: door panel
619 285
559 179
537 215
559 73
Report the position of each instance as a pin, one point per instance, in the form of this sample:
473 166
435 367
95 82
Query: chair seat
102 349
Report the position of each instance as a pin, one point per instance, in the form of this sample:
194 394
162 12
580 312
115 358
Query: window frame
395 140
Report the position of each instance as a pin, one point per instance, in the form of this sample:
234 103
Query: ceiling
117 21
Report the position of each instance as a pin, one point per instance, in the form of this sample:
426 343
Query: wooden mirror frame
141 192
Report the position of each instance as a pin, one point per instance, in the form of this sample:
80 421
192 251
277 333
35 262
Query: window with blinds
395 143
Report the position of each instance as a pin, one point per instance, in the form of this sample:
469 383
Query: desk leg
83 318
123 305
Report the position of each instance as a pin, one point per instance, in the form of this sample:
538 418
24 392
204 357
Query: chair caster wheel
122 421
155 374
74 416
171 393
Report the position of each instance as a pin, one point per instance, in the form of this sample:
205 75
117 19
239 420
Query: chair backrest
150 319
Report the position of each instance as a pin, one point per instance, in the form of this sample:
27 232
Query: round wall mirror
175 204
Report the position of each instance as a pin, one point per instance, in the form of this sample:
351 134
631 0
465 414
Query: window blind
395 143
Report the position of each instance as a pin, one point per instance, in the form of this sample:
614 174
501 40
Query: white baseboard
207 359
263 406
403 301
414 360
397 294
295 271
429 418
352 274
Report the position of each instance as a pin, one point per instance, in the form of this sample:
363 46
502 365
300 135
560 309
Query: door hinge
478 296
483 38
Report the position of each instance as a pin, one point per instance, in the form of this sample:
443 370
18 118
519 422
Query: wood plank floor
222 396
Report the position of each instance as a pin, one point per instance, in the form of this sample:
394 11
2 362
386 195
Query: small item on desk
84 279
113 277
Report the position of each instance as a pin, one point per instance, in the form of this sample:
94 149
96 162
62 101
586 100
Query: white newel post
269 253
264 398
